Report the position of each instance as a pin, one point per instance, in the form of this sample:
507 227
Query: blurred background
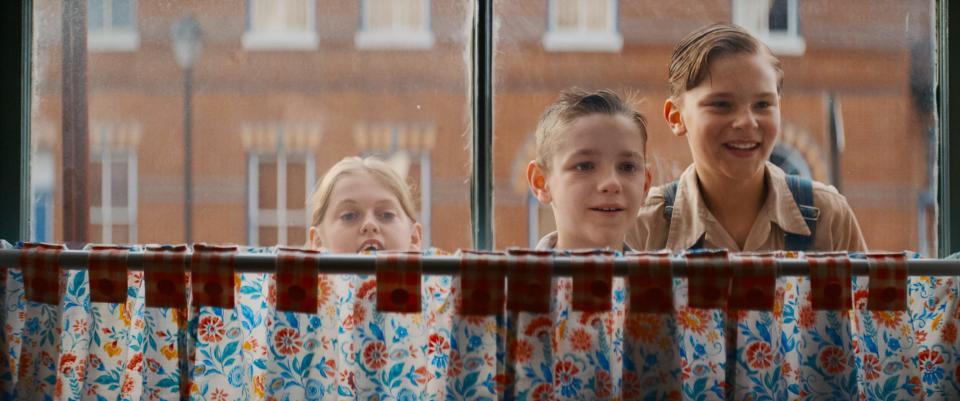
168 121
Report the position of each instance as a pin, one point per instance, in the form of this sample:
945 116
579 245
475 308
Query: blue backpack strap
802 191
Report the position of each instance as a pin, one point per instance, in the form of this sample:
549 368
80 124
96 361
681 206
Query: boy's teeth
742 145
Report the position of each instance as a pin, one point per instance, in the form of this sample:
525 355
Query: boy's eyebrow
730 94
591 152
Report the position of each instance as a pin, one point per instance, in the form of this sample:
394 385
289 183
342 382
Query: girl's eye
764 105
388 216
583 166
348 216
720 104
629 167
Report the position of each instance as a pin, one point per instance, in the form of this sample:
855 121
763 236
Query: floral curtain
78 349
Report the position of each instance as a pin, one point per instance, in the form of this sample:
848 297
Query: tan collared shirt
836 230
549 242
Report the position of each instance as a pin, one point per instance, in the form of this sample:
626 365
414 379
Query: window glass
857 103
262 126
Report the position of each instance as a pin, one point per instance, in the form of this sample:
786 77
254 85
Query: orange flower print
127 387
832 359
542 392
871 367
580 340
66 363
113 349
287 341
695 320
324 290
522 351
886 319
169 351
642 326
211 329
219 395
375 355
759 355
950 332
807 317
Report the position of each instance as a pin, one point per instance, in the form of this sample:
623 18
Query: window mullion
482 101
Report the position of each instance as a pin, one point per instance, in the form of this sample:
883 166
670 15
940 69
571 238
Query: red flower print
127 386
631 386
219 395
860 300
542 324
832 359
541 393
153 365
695 320
211 329
921 336
603 386
886 319
66 363
871 367
522 351
950 332
367 289
134 363
807 317
287 341
437 344
580 340
375 355
324 289
456 365
759 355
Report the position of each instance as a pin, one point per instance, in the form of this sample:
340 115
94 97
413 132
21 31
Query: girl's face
596 181
731 119
363 214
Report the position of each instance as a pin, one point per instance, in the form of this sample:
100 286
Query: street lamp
187 41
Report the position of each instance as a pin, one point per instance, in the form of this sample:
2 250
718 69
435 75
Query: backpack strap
669 197
802 191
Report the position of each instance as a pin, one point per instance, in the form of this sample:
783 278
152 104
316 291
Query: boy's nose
745 119
610 183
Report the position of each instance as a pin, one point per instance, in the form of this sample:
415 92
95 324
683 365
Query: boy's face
596 181
364 214
731 119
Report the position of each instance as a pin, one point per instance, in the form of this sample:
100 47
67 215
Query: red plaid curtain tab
108 274
41 272
830 276
482 282
398 282
211 275
708 279
754 283
529 279
651 283
165 277
888 282
296 280
593 281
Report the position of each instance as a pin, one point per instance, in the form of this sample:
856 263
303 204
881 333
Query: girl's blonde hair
575 103
381 171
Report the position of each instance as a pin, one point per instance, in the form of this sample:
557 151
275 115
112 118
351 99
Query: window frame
421 38
583 41
790 43
15 116
288 40
283 218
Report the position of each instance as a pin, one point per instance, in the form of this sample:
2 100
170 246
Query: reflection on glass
857 97
282 90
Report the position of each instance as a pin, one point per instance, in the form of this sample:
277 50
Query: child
590 168
363 205
725 99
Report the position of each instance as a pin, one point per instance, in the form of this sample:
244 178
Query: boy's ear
671 112
314 236
416 238
538 182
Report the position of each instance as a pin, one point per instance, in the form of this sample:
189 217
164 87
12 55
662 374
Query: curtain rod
450 265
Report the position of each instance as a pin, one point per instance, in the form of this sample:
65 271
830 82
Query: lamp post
187 44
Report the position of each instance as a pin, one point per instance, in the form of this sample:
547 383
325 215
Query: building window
112 25
582 25
281 171
42 180
776 22
280 25
389 24
113 196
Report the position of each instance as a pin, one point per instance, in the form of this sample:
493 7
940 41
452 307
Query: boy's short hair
574 103
690 62
380 170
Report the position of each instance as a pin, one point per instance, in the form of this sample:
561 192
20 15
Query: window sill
583 42
784 45
386 40
122 41
280 41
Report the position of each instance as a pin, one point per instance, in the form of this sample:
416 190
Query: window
399 24
112 179
280 177
407 148
280 25
582 25
112 25
776 22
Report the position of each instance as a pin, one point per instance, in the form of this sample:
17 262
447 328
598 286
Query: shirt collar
786 212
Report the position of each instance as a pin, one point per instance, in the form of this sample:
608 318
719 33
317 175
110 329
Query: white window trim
112 39
417 39
583 41
281 217
116 215
291 40
789 43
